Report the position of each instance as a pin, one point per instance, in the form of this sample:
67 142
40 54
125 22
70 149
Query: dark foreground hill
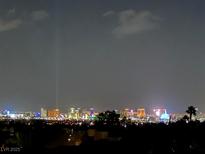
66 137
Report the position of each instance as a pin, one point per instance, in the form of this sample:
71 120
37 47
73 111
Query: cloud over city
6 25
132 22
10 21
39 15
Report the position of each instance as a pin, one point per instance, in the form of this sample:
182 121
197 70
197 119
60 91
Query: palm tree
191 111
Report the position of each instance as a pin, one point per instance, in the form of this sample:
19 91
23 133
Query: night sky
104 54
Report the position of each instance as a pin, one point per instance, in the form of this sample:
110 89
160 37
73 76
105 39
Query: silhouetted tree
123 121
191 111
108 118
185 118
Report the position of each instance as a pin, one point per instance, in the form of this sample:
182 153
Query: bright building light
8 112
13 116
158 113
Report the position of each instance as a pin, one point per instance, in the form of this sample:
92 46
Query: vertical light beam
57 80
57 72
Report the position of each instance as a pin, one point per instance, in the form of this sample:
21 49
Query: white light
158 113
12 116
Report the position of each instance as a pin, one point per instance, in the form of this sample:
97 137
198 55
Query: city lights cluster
79 114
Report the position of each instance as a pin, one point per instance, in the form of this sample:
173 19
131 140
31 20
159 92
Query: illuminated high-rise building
159 112
85 115
125 113
43 113
53 113
128 113
77 113
74 113
71 113
92 114
141 113
165 117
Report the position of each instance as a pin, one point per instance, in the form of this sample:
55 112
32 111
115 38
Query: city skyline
102 54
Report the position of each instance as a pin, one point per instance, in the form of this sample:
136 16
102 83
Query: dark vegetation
107 134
